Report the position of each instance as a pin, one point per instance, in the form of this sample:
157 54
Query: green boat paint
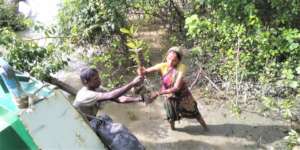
52 123
13 134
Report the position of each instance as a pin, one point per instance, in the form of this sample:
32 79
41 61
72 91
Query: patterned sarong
181 103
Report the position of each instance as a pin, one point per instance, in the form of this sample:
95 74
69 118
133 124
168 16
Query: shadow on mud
180 145
196 145
260 134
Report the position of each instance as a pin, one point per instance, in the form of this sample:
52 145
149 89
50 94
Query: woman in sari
179 102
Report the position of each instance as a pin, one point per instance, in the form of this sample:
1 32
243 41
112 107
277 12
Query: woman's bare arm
177 86
152 69
143 71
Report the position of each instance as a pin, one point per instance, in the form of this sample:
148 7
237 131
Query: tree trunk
69 89
179 19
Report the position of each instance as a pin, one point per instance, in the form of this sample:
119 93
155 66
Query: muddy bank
249 131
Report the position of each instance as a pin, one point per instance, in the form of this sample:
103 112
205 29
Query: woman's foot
206 129
202 122
172 125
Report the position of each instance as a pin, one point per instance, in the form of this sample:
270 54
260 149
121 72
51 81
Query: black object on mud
115 135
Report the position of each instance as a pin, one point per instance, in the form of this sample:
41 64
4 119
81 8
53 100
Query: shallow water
43 11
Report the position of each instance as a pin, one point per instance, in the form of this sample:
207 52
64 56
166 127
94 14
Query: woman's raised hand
141 71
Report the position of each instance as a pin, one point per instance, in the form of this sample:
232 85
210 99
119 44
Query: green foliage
170 13
9 17
292 139
111 63
101 23
286 107
93 22
270 103
235 109
267 53
138 48
249 42
130 32
29 57
114 64
97 23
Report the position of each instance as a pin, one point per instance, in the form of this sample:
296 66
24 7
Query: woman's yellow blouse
163 67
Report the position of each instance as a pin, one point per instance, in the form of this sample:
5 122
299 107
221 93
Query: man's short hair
87 73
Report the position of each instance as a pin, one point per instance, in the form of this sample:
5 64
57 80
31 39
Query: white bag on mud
115 135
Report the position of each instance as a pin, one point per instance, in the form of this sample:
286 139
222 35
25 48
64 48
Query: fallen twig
206 77
195 81
212 83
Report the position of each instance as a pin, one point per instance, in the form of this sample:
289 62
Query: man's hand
137 80
151 97
155 95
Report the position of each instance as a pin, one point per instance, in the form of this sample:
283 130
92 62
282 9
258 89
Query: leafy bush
97 24
249 41
27 56
292 139
270 54
113 64
9 17
93 22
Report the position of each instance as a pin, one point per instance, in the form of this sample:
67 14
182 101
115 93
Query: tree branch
195 81
66 87
51 37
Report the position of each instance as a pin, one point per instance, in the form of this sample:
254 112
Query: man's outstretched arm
128 99
114 94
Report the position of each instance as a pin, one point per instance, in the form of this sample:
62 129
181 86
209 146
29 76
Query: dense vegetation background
245 51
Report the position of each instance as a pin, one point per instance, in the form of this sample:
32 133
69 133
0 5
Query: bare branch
51 37
195 81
